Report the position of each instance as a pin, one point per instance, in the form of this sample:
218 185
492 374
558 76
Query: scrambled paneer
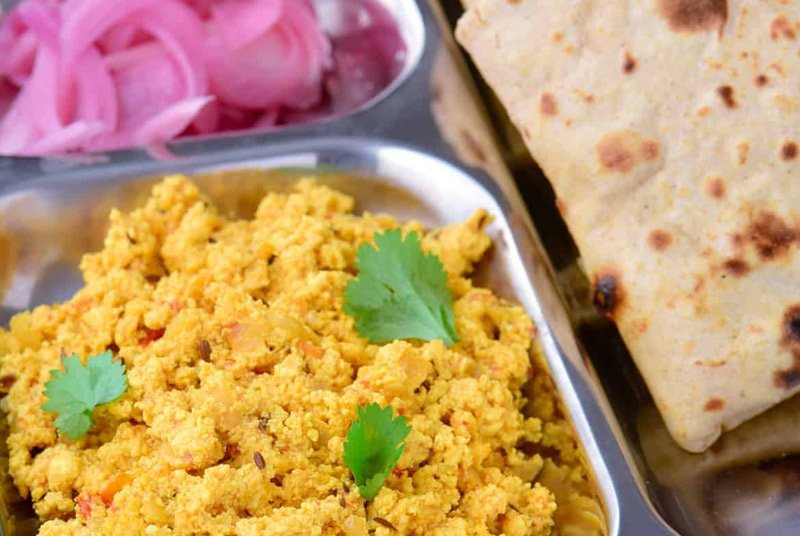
245 373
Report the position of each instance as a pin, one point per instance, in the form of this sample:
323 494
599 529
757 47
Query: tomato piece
113 486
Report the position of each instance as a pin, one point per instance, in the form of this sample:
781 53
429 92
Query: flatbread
669 129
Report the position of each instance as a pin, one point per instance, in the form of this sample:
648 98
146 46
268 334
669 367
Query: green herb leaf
400 292
373 447
76 391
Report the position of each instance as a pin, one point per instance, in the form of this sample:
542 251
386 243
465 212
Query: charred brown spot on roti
789 378
736 267
714 404
588 98
561 206
629 63
641 326
694 15
620 152
782 28
715 187
711 364
727 95
704 111
762 80
737 239
548 105
650 149
608 292
743 150
615 154
699 284
791 328
659 239
770 235
790 340
789 150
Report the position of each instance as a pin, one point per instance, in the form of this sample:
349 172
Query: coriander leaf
373 447
400 292
75 425
76 391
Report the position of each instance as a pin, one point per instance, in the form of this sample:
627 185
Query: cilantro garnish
76 391
373 447
400 292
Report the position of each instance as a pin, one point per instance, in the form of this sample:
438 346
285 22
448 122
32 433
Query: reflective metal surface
424 150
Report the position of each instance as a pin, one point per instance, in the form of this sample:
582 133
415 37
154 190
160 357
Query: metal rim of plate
392 137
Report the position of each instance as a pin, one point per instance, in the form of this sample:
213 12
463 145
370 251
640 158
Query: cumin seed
384 522
259 459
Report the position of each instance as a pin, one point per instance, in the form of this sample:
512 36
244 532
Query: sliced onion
171 122
84 21
180 30
34 113
119 37
242 21
284 65
43 17
234 118
95 90
103 74
72 137
18 44
147 82
267 121
45 92
8 93
208 119
16 129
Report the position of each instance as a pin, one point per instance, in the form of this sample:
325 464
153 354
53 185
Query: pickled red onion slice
148 84
73 136
89 75
84 21
96 95
171 121
242 21
35 113
7 95
284 65
17 62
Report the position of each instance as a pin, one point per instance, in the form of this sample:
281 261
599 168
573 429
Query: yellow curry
244 375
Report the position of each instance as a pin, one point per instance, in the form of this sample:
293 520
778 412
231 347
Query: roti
669 130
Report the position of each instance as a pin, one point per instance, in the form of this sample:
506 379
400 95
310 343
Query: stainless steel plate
425 150
46 221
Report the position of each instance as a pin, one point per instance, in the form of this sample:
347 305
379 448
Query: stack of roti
670 131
